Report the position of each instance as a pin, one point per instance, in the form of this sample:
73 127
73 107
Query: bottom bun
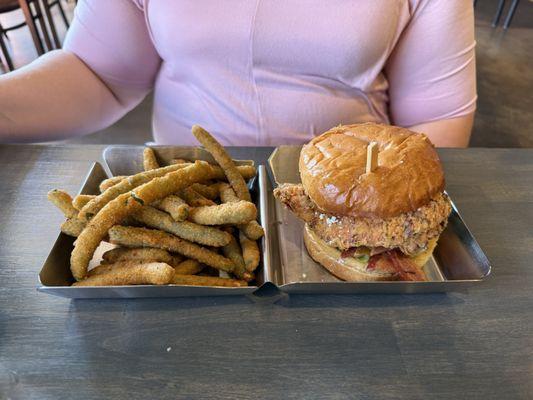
422 258
349 268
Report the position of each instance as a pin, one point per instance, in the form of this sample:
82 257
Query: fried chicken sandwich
371 224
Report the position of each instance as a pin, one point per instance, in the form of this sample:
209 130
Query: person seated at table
252 72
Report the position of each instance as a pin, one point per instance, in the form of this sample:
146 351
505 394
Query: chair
61 10
30 18
510 13
34 11
47 6
5 53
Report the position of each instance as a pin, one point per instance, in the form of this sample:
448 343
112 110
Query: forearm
453 132
55 97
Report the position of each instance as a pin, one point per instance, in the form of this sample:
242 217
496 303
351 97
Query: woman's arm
453 132
107 65
432 72
55 97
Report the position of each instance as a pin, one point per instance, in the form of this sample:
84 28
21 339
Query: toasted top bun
408 175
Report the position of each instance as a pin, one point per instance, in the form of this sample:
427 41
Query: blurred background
504 114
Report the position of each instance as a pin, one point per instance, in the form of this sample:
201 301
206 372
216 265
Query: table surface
475 345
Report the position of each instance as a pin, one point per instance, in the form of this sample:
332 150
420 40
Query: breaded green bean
127 204
205 235
149 159
63 201
145 254
72 227
103 268
177 259
224 160
195 199
227 194
247 172
175 206
138 237
252 229
82 199
107 183
209 192
124 186
179 161
140 274
197 280
188 267
240 212
250 252
233 251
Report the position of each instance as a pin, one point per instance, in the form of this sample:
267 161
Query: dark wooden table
475 345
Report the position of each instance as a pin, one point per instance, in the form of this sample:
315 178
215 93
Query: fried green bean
195 199
107 183
224 160
145 254
209 192
246 171
63 201
139 237
205 235
175 206
124 186
252 229
197 280
188 267
177 259
72 227
82 199
250 252
127 204
240 212
227 194
233 251
149 159
126 274
106 267
179 161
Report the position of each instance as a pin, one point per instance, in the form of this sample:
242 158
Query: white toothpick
371 157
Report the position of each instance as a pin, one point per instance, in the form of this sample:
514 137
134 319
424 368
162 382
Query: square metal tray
55 276
457 263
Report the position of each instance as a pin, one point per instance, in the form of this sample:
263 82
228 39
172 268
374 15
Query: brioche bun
350 268
408 176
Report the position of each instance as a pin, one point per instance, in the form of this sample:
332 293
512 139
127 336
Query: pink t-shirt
269 72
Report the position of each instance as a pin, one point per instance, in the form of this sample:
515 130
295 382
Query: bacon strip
407 269
399 264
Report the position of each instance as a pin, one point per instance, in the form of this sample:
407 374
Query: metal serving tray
55 276
457 263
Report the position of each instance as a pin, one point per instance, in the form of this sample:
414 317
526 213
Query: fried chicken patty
410 232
